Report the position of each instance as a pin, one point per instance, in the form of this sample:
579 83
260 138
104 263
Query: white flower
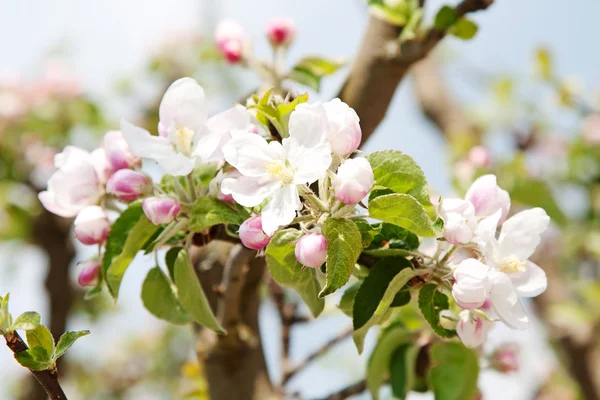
459 220
273 170
186 136
487 197
353 181
344 133
74 185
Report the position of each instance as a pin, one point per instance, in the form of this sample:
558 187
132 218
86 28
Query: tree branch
340 337
47 378
381 64
352 390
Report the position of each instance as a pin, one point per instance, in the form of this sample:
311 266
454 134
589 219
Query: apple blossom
117 151
231 40
91 225
215 185
479 157
273 170
74 185
459 219
471 287
252 234
280 31
344 133
128 185
353 181
487 197
89 274
311 250
186 136
505 358
472 329
160 210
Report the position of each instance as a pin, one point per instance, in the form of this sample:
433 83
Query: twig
47 378
352 390
232 284
340 337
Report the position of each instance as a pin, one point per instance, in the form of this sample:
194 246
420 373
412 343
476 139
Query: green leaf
170 258
374 288
378 367
158 298
400 173
191 295
393 287
27 321
287 271
344 245
41 336
403 210
5 317
402 370
543 63
536 193
445 18
464 29
67 340
310 70
402 298
368 232
35 358
347 300
392 240
431 303
453 362
208 211
128 235
396 14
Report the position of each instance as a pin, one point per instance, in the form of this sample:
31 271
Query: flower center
511 264
183 140
278 170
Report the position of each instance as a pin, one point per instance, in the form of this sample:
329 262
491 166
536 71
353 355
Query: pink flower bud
344 132
128 185
487 197
91 225
506 358
459 220
160 210
231 39
117 151
471 287
252 234
353 181
479 157
311 250
89 274
472 329
281 31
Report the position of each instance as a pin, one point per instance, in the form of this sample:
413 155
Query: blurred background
70 69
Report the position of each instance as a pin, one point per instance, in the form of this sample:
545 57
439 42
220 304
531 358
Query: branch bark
48 379
348 391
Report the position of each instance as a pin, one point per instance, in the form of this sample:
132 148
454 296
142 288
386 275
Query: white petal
505 301
530 283
143 144
281 210
249 153
471 268
521 233
220 129
48 200
249 191
70 155
183 105
176 164
486 234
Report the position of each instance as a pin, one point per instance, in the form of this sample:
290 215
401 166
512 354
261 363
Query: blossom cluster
496 271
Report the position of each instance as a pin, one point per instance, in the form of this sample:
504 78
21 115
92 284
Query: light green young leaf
35 358
378 367
388 297
445 18
191 295
310 70
344 245
66 341
5 318
208 211
403 210
158 298
26 321
41 336
127 236
287 271
453 362
464 29
431 303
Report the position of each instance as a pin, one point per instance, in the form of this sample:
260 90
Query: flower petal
530 283
281 210
505 301
221 127
176 164
183 105
249 191
143 144
521 233
48 200
249 153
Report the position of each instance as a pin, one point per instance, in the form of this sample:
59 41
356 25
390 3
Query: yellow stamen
278 170
183 140
511 264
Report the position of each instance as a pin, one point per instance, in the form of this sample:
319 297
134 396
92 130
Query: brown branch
340 337
47 378
348 391
381 64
